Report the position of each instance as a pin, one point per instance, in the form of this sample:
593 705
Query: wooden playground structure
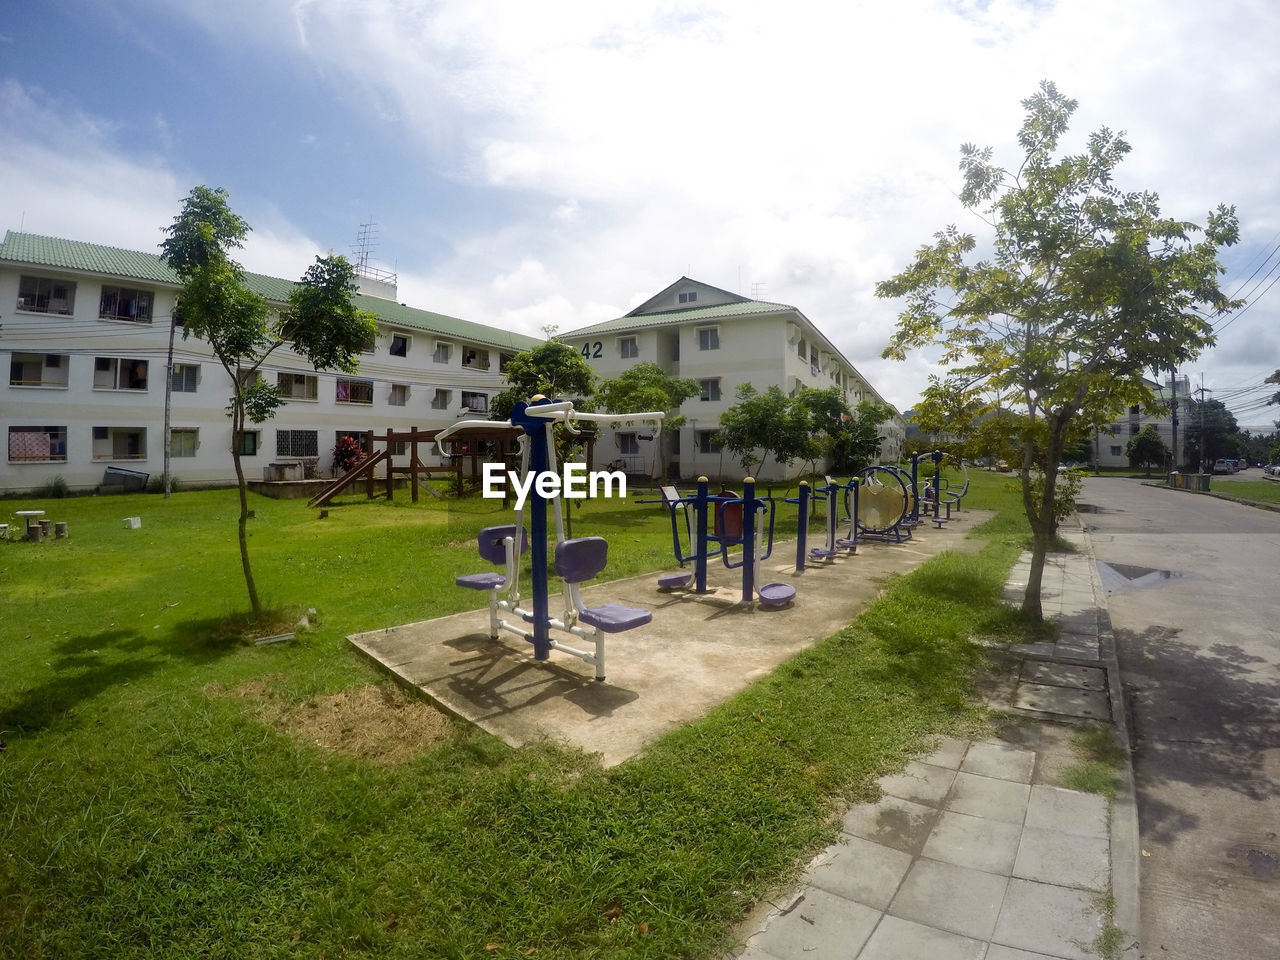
468 450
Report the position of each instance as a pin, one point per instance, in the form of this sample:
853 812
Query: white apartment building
723 340
84 336
1111 442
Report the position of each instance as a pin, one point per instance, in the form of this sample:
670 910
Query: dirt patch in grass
377 722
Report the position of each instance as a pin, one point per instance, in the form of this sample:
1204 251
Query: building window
399 448
353 391
707 442
473 358
37 444
802 349
119 443
399 395
298 386
690 297
38 370
399 345
370 345
297 443
628 444
1115 450
813 360
43 295
1134 428
709 338
475 402
183 442
443 351
628 347
441 399
185 377
119 373
1135 410
710 388
503 360
246 442
125 303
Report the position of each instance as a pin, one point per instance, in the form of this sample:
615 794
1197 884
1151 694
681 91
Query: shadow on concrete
1203 718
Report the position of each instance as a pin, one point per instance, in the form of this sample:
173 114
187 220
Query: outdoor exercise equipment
738 521
941 492
575 560
885 503
836 496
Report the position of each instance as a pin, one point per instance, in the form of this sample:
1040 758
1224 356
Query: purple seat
614 618
821 553
845 543
775 594
481 581
669 581
581 559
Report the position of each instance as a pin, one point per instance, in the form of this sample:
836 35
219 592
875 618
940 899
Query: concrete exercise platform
697 652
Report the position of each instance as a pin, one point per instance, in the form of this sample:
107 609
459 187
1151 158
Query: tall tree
1274 378
1086 287
320 323
1212 432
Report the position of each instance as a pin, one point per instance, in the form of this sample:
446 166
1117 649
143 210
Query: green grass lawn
1266 491
146 813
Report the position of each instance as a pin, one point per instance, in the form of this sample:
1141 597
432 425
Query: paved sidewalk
977 851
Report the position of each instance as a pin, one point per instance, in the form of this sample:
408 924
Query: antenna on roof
756 287
382 283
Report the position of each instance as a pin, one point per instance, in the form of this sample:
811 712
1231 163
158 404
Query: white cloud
810 147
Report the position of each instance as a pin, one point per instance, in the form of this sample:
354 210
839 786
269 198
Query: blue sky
558 163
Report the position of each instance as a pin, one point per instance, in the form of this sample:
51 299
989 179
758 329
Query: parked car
1224 465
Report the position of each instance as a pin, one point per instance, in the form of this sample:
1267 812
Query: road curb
1126 847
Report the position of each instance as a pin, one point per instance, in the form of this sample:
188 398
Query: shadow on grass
86 666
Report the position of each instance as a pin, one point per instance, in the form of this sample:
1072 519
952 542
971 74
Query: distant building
84 333
1111 442
722 340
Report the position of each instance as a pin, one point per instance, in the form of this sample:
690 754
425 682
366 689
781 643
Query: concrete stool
60 530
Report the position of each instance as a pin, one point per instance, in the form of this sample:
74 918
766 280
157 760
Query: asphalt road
1194 594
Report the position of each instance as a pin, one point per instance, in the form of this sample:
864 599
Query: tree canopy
1147 449
1085 287
647 387
554 369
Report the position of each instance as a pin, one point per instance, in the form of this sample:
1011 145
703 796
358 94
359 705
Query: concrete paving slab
820 924
1066 859
860 870
999 951
1055 808
1002 800
1043 918
948 753
999 760
957 899
920 782
1065 675
1063 701
696 653
892 822
896 939
988 845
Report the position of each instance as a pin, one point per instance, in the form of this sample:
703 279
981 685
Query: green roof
723 311
34 250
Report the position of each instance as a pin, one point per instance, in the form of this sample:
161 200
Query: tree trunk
237 429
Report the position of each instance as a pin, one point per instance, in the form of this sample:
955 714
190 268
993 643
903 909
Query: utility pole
1173 411
1202 391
